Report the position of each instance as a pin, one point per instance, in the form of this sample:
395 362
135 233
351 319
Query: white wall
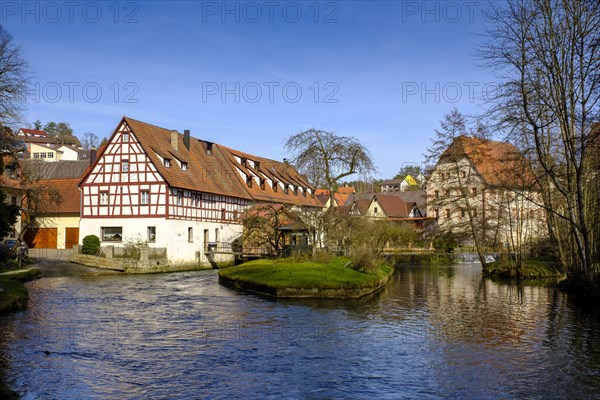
172 234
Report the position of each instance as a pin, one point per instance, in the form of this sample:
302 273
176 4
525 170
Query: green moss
315 279
13 296
531 269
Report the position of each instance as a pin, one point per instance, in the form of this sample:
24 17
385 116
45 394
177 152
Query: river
432 333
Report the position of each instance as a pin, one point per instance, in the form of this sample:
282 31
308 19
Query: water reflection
431 333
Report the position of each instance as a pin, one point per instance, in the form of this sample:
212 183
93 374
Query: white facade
125 193
67 153
170 234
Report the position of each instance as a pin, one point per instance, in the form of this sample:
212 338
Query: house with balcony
171 190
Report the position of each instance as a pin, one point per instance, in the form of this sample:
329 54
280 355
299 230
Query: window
295 190
474 191
209 148
286 188
256 165
190 234
447 213
151 234
124 165
437 213
262 183
249 181
179 198
36 155
145 197
223 214
13 200
43 155
184 166
436 194
216 234
126 137
375 210
50 155
167 163
275 185
112 233
463 213
243 162
103 198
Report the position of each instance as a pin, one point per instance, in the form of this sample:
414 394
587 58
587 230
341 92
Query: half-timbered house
173 191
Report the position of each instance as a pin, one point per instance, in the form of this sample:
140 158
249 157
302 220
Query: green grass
305 274
531 269
13 296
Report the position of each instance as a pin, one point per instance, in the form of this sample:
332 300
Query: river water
432 333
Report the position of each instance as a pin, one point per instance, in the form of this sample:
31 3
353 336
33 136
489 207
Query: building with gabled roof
174 191
487 185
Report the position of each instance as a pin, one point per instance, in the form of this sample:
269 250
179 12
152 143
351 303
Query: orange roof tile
498 163
70 196
394 206
218 172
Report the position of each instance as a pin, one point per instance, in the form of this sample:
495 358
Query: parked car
14 247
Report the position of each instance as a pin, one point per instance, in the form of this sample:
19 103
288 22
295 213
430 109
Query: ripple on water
429 334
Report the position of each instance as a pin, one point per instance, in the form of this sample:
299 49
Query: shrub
91 244
364 259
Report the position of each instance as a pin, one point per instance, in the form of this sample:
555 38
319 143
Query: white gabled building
174 191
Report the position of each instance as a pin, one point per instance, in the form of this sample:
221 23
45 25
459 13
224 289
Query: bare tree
546 54
14 76
89 140
326 158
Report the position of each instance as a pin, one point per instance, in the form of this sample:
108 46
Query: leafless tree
326 158
89 140
14 76
546 54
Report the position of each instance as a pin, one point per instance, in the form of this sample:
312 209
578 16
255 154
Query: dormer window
249 181
286 188
275 186
209 147
256 165
243 162
184 166
295 190
167 163
262 183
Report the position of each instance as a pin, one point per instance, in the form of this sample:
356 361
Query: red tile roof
498 163
69 195
219 172
394 206
34 131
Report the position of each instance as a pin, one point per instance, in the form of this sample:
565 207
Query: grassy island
283 278
532 269
13 294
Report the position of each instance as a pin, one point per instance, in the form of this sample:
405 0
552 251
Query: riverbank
305 279
531 269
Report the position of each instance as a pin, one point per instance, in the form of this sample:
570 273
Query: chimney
174 139
186 139
93 154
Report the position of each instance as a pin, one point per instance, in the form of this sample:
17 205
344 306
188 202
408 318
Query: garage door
71 237
41 238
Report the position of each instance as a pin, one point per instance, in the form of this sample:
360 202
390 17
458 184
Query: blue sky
249 74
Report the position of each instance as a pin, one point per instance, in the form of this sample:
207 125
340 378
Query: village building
402 185
39 145
341 197
488 186
169 190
